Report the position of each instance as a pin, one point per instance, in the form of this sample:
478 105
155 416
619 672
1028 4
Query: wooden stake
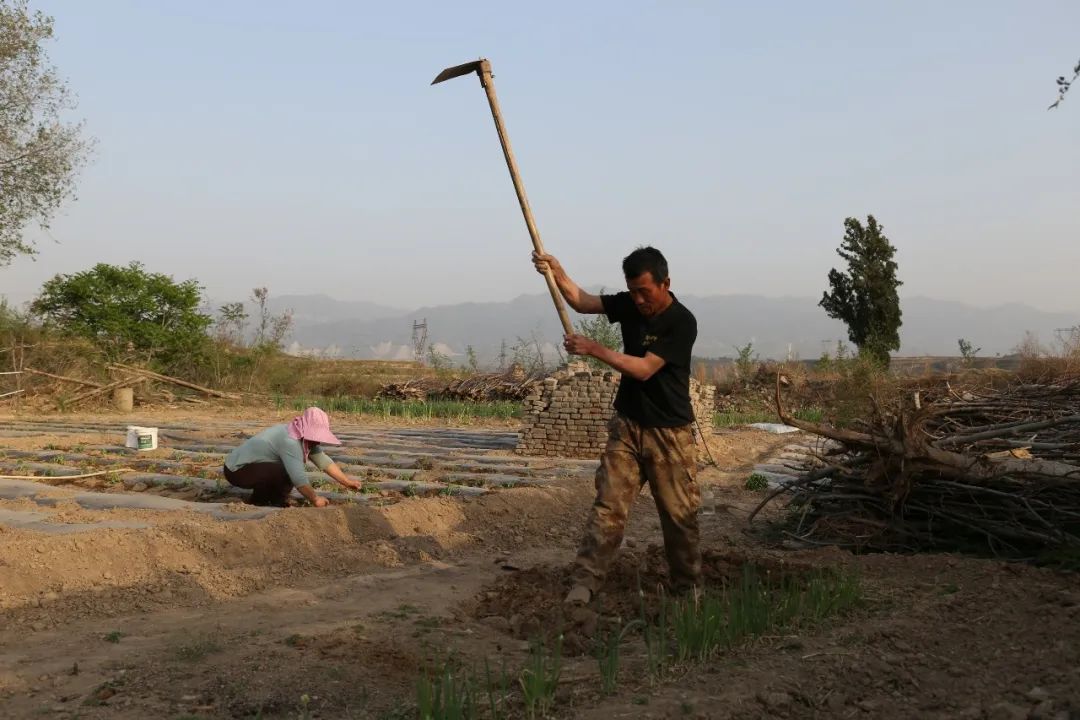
88 383
176 381
104 389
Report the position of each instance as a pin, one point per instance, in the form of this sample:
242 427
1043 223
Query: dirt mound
529 603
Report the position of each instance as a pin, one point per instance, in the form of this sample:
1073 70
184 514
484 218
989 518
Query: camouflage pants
666 459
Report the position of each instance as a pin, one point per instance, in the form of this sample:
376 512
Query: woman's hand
339 476
309 494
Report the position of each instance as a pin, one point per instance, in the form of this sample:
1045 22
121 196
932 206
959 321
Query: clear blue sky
299 145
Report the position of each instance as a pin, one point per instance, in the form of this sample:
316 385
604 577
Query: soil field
158 594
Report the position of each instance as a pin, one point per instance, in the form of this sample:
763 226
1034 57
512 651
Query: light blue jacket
275 445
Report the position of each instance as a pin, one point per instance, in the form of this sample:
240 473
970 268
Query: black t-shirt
664 399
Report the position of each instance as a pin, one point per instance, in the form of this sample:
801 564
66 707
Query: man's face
649 296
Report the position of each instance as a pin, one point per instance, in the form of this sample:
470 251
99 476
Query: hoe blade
457 71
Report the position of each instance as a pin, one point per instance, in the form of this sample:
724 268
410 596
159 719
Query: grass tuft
452 692
196 649
540 679
756 481
708 621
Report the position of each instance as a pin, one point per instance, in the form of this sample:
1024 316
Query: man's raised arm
582 302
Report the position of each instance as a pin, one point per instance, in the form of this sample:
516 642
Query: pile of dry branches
485 387
995 470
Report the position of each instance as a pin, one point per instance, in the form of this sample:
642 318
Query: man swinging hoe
650 437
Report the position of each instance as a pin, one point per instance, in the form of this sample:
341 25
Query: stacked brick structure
566 414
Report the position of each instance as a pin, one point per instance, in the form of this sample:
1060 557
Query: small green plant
756 481
810 414
692 629
498 690
430 622
303 709
114 636
655 633
402 612
734 419
540 678
447 694
196 648
607 656
745 362
698 624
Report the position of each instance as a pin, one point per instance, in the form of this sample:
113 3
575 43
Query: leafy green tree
865 297
40 154
968 351
125 310
746 360
231 322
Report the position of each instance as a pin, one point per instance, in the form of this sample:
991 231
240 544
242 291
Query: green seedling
607 656
540 679
655 632
498 690
448 694
196 649
756 481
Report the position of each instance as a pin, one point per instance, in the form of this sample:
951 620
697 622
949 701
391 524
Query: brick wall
567 413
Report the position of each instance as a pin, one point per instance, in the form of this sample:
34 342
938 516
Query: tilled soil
333 612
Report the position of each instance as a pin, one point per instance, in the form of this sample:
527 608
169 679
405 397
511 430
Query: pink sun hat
313 426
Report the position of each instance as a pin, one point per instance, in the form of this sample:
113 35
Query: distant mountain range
775 326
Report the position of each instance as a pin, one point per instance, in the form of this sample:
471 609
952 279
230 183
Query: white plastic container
141 438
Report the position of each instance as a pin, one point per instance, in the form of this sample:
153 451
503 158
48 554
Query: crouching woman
271 463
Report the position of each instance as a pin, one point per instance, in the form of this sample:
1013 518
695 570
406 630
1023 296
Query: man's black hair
645 259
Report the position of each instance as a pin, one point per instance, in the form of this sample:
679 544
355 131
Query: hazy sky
299 145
